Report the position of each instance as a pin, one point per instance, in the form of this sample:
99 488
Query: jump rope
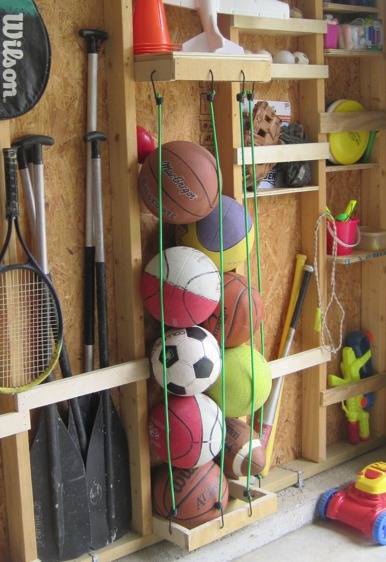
211 95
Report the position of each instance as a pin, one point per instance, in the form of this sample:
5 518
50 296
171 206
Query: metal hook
152 83
243 81
211 95
212 80
170 526
250 505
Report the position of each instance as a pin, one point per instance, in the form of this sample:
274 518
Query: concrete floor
319 542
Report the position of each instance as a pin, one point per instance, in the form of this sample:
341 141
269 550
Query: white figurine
211 39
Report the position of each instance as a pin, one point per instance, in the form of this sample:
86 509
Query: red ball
145 142
196 491
236 303
195 430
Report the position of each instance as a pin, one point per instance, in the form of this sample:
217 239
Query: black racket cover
25 57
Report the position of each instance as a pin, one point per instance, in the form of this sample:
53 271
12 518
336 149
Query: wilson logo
12 30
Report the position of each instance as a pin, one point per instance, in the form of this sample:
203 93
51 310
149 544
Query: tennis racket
31 325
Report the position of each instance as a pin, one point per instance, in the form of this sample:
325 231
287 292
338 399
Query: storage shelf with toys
359 256
347 53
284 153
336 122
197 66
331 168
299 72
276 26
261 192
339 8
338 394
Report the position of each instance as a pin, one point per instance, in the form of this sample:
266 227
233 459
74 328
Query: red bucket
347 236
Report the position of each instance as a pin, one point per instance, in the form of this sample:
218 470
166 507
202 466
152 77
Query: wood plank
281 478
236 517
127 248
81 385
344 53
282 191
358 256
285 153
14 423
340 393
276 26
126 545
197 66
299 71
352 121
330 169
339 8
299 362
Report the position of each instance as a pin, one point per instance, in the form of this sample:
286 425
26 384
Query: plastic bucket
347 236
332 36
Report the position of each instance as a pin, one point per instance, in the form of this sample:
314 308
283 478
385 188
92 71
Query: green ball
238 374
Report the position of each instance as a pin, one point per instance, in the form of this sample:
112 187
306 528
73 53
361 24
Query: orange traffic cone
151 32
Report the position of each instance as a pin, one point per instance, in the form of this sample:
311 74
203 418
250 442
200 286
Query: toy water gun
355 408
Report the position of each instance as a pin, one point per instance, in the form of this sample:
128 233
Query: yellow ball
238 385
204 235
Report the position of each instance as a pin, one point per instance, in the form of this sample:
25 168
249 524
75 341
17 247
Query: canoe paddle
107 465
58 471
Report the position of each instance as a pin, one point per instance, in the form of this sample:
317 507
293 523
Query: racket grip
10 172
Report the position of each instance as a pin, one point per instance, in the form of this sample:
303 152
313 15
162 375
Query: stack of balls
193 358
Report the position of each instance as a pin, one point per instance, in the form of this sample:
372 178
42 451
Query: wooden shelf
299 362
351 53
276 26
236 516
337 8
197 66
352 121
299 72
351 168
285 153
281 478
358 256
278 191
338 394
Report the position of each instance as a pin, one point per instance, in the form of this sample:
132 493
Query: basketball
193 360
237 362
196 491
195 430
191 288
237 450
236 303
204 235
190 185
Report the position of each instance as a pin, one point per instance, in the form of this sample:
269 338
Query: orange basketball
196 492
190 184
236 304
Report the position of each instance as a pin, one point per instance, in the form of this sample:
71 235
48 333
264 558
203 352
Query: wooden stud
276 26
299 71
331 169
277 191
312 102
127 247
339 8
285 153
15 452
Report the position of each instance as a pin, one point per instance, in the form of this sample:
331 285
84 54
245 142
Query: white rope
327 339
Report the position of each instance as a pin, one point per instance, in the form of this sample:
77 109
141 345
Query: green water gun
357 417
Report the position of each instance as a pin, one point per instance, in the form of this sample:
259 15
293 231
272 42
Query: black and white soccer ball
193 360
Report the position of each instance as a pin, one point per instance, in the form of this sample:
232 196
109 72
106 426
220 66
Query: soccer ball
193 360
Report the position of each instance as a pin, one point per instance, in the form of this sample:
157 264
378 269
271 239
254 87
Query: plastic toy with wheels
360 504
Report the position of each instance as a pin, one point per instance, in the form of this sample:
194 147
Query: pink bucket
332 36
347 236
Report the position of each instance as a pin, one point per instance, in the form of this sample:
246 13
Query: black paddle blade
25 57
76 515
101 534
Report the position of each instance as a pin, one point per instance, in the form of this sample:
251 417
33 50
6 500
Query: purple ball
233 226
